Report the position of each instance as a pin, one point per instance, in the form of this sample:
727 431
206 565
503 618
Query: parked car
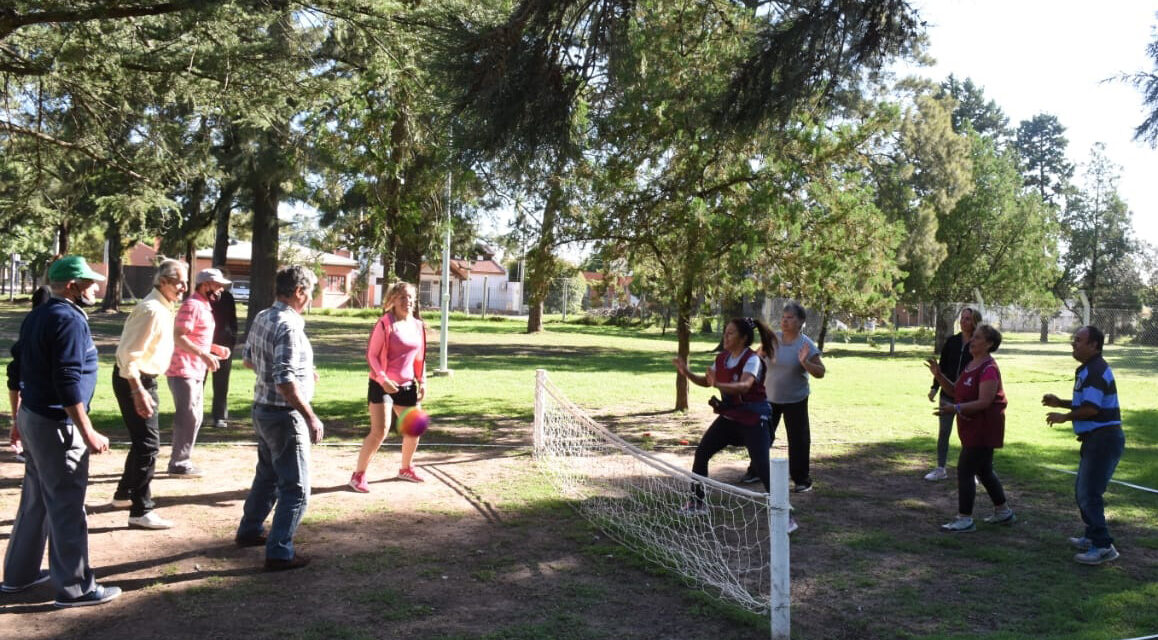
240 290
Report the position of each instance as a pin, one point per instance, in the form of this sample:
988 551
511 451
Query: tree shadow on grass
495 553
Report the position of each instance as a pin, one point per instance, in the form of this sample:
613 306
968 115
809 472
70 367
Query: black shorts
406 396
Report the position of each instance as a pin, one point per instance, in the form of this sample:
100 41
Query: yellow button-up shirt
147 339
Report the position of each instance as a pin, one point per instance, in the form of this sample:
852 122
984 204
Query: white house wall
502 296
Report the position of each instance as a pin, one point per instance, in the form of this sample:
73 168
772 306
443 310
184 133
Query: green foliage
1102 258
1042 144
568 294
995 235
1147 83
971 112
919 186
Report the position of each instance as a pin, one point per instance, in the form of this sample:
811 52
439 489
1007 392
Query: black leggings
976 461
725 432
799 438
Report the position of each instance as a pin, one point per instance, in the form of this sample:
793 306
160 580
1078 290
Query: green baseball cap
72 268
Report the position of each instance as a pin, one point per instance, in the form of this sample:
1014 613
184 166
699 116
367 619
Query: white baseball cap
211 275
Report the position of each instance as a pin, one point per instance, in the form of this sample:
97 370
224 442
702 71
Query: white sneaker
150 521
1095 555
963 524
936 474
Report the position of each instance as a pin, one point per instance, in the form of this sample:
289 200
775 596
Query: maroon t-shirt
985 428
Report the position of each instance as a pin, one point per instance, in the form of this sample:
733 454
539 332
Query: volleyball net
725 540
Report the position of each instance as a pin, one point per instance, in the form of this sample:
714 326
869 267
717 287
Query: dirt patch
485 549
456 557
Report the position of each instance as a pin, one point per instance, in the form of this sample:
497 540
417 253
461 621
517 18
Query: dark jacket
55 359
954 357
225 320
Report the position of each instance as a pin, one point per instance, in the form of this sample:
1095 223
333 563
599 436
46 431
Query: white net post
540 408
779 604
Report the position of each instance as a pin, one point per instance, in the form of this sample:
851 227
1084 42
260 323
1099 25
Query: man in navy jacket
57 364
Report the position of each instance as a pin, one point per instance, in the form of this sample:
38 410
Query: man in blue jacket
57 363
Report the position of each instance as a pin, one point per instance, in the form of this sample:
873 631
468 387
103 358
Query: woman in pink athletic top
397 359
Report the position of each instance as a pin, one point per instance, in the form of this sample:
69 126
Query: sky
1036 56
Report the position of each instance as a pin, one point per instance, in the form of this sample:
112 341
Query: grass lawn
869 561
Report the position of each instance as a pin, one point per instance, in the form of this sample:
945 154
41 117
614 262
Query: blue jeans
282 476
1101 451
944 434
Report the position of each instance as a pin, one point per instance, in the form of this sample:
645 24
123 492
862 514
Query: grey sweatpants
51 506
188 412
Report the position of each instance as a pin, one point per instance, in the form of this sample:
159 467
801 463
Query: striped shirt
280 352
1094 386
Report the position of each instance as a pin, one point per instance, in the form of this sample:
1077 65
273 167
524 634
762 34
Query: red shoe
409 475
358 482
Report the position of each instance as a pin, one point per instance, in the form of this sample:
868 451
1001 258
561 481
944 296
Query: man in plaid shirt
279 352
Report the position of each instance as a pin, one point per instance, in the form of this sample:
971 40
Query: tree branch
64 144
10 21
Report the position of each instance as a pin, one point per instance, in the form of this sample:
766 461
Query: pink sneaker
409 475
358 482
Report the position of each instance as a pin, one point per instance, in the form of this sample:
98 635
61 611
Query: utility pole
444 283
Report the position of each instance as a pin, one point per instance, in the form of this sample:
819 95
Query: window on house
335 284
425 293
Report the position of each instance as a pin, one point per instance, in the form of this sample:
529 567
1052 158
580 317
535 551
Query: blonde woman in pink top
397 359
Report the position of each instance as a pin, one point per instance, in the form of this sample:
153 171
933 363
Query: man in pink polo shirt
194 355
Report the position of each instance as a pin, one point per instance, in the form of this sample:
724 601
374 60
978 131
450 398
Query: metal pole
443 328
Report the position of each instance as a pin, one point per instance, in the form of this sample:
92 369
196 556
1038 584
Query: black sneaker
17 588
185 472
749 478
804 487
284 564
98 595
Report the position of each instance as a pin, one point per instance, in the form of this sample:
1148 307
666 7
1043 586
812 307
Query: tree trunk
541 259
1044 337
190 258
684 301
112 299
683 340
825 316
943 319
264 260
221 213
408 262
383 283
62 238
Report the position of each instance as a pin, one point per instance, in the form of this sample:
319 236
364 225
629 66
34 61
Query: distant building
476 286
608 294
335 283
